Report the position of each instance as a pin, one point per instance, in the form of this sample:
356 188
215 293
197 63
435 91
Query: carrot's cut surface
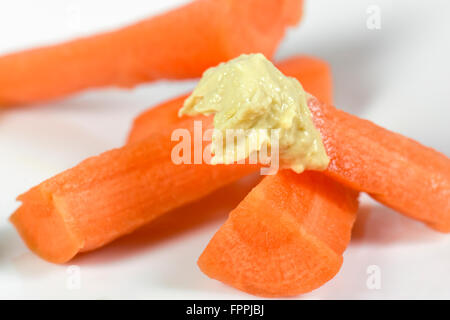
395 170
285 238
181 43
314 75
45 228
112 194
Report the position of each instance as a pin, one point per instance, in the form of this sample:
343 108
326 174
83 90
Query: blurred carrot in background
179 44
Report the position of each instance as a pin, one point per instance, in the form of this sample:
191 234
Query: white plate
397 76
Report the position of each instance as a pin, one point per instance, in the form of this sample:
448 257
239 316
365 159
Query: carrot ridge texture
395 170
285 238
181 43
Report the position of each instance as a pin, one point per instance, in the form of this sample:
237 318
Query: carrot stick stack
395 170
112 194
288 235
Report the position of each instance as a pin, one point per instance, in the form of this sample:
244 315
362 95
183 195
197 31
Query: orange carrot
313 73
161 118
178 44
112 194
285 238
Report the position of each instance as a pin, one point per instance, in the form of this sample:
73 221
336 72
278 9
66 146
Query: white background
398 76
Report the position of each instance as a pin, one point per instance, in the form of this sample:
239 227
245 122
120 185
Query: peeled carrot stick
285 238
111 195
395 170
181 43
313 73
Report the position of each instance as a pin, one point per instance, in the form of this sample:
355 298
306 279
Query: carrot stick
397 171
110 195
313 73
181 43
285 238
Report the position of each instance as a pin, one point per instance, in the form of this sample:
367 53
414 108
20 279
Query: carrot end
44 229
